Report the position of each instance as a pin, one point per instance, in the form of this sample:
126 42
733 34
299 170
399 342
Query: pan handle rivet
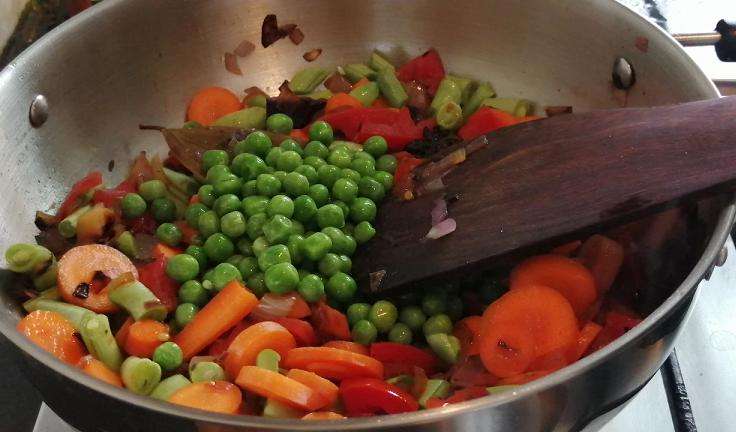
623 74
722 257
39 111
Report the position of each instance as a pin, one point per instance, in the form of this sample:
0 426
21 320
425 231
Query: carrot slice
123 331
95 368
325 388
342 100
80 265
54 333
244 349
211 103
324 415
587 335
215 396
603 257
144 337
333 363
273 385
300 308
225 310
348 346
467 330
563 274
533 319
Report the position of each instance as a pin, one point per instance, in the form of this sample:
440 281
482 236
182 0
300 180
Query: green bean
320 94
139 301
405 381
355 71
140 375
206 371
169 386
307 79
378 63
481 93
276 409
268 359
435 388
515 107
449 116
448 91
391 88
182 181
47 279
27 258
97 336
125 243
466 86
258 100
447 347
74 314
68 226
500 389
366 94
248 118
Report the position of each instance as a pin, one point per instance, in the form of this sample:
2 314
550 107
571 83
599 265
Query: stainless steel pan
127 62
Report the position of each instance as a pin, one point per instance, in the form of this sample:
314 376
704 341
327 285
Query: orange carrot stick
348 346
244 349
325 388
273 385
333 363
95 368
215 396
54 333
144 337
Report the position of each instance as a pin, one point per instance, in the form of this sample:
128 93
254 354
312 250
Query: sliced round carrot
144 337
273 385
244 349
546 317
54 333
215 396
561 273
122 332
323 387
95 368
348 346
467 330
333 363
342 100
80 265
211 103
324 415
603 257
507 349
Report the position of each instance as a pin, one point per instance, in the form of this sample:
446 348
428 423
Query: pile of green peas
277 216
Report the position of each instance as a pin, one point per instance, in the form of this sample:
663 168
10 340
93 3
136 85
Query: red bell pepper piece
330 323
470 372
145 224
485 120
111 197
347 121
141 170
188 234
302 331
403 182
395 125
72 200
617 323
406 355
369 396
426 69
300 135
153 275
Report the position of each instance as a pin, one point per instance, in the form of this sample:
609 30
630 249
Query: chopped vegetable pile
220 279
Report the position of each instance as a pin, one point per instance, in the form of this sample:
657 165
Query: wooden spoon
553 179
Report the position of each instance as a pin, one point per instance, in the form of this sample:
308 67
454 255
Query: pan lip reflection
704 87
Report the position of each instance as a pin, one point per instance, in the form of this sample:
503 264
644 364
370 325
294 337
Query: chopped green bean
268 359
74 314
515 107
391 88
139 301
366 94
206 371
307 79
481 93
355 71
169 386
379 63
449 116
448 91
97 336
435 388
28 258
248 118
68 226
125 242
140 375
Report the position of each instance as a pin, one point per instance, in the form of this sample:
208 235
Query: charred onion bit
271 32
312 55
337 83
552 111
244 48
296 35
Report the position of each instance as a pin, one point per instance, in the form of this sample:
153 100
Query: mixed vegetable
220 278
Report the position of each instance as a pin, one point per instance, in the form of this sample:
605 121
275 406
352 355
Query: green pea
350 146
341 243
193 292
281 278
311 288
305 209
273 255
217 173
278 229
454 308
211 158
433 304
290 144
413 317
208 223
206 195
152 189
350 174
226 203
344 207
386 163
268 185
365 167
330 264
248 166
254 226
371 188
280 205
357 312
345 190
363 155
363 232
192 214
320 194
364 332
169 234
182 267
260 245
185 313
439 323
316 246
248 189
206 371
257 284
330 215
163 210
199 254
383 315
272 158
254 204
244 246
447 347
233 224
400 333
316 148
375 145
281 175
133 205
248 266
288 161
296 184
321 131
235 259
279 123
363 209
256 142
386 179
346 264
341 287
314 161
340 157
310 173
223 274
168 355
230 185
218 247
328 175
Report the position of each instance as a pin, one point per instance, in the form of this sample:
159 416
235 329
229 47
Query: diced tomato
395 125
329 323
188 234
72 200
346 121
403 181
427 69
141 170
411 356
617 323
111 197
145 224
299 135
153 275
485 120
302 331
469 372
370 396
